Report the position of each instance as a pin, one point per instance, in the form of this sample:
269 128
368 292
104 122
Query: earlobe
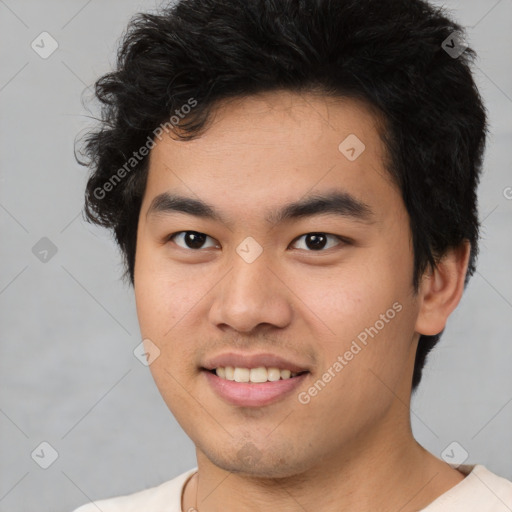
441 289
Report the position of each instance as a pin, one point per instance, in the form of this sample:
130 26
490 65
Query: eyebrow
337 203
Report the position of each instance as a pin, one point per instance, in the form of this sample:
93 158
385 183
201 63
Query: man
293 187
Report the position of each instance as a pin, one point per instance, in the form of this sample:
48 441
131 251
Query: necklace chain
197 486
194 508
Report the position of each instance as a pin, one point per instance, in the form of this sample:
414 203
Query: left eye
318 241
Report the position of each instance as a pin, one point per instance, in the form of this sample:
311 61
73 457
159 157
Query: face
302 251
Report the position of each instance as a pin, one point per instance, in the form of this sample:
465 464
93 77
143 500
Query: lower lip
247 394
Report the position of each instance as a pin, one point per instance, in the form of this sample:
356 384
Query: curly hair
391 54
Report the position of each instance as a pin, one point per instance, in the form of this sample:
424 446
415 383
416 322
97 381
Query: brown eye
190 240
318 241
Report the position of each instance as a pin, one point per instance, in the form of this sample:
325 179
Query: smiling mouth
254 375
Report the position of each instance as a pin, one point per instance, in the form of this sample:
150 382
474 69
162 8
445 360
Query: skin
351 447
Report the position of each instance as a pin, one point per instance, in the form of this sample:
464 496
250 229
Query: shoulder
496 487
480 491
154 499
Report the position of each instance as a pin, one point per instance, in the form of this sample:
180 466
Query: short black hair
392 54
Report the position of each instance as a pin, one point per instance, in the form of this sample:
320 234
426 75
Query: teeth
286 374
258 375
273 374
255 375
242 375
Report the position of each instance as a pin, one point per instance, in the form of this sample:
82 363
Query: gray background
69 327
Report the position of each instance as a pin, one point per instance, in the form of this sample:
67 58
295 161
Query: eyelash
342 240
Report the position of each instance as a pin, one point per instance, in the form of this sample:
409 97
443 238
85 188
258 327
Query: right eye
190 239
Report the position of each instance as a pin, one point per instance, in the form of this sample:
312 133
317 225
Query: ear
441 289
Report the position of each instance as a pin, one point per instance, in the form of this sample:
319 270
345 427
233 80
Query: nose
251 294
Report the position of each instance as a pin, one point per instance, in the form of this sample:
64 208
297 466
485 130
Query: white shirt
480 491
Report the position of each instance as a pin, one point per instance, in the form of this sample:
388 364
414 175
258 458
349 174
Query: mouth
253 387
257 375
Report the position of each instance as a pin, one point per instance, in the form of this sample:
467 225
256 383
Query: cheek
163 301
349 297
164 292
362 311
168 304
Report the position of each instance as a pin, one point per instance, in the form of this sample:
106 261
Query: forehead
283 119
276 147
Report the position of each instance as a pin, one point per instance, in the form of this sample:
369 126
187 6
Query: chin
252 462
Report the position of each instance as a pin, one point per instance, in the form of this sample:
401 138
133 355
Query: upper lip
253 361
